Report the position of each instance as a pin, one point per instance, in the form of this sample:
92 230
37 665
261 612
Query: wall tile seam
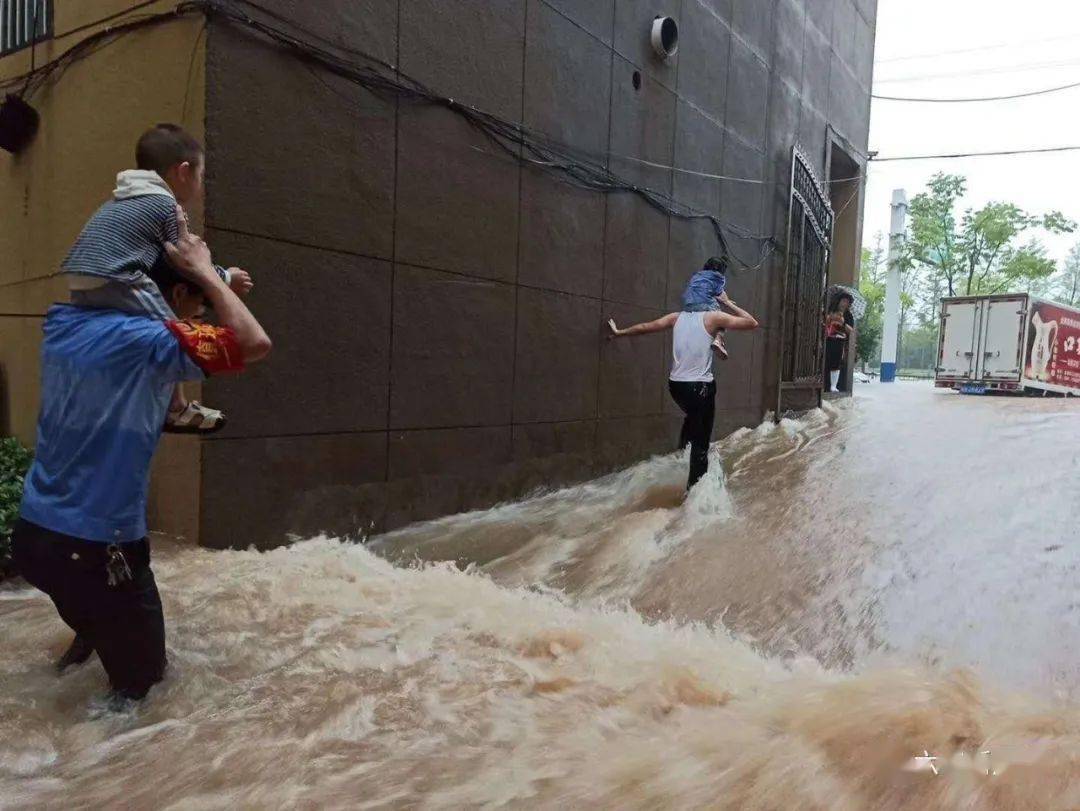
393 243
518 218
766 199
753 48
823 39
31 280
578 25
811 24
727 100
853 74
712 13
760 149
401 432
779 228
796 89
608 153
426 429
482 280
718 122
873 57
604 223
674 151
850 67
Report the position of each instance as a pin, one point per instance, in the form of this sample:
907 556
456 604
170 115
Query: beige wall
846 246
90 120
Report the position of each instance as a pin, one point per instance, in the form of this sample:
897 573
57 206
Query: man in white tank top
691 381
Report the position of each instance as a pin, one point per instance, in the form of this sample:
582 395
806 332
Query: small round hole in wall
664 37
636 80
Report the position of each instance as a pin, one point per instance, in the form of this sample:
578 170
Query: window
23 21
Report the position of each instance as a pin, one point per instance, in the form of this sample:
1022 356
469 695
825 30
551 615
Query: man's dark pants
698 402
123 622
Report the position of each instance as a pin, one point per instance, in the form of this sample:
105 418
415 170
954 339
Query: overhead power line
1036 151
1043 92
991 71
977 49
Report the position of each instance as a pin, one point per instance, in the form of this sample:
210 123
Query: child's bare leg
178 402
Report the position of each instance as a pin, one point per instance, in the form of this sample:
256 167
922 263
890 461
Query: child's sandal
194 419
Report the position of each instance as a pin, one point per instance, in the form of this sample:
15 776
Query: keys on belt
117 567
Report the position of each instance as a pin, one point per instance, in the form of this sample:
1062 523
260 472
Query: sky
1008 47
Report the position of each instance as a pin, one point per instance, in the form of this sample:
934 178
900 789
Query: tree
933 241
982 252
872 286
1065 285
873 276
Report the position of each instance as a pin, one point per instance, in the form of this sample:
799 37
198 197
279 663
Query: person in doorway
691 381
839 333
703 292
106 380
109 264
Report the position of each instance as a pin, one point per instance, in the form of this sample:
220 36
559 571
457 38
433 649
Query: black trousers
698 402
123 622
834 353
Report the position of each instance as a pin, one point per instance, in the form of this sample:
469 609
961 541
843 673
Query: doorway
845 197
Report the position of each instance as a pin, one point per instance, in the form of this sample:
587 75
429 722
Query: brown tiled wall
436 307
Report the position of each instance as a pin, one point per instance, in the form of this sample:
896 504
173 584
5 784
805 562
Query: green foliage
14 462
978 252
1063 285
872 287
918 349
868 341
951 251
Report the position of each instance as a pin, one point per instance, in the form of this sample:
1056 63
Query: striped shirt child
109 263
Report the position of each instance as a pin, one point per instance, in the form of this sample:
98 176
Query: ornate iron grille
810 224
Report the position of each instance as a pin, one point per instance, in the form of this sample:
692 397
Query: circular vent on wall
665 37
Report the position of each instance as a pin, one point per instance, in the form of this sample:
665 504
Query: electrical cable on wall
523 144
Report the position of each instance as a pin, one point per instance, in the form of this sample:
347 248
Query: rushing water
894 575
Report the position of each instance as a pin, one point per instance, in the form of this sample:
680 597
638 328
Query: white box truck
1008 343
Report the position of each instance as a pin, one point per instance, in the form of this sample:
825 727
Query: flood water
892 576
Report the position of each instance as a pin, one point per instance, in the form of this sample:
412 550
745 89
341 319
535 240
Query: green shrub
14 462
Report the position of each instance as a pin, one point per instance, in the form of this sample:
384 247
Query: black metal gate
810 224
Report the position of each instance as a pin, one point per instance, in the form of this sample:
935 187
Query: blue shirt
106 381
702 290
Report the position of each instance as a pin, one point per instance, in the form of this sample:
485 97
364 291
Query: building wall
90 120
437 308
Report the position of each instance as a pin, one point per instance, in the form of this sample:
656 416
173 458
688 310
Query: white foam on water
510 670
442 689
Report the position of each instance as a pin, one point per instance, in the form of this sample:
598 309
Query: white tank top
691 350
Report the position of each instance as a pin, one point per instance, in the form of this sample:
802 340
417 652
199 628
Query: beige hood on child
140 182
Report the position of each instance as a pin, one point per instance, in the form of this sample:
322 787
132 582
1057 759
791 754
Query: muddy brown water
892 576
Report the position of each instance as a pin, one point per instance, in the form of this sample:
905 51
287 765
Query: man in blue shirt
106 381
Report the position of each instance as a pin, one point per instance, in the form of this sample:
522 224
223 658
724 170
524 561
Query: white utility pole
892 286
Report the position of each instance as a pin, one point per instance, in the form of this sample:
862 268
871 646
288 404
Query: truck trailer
1012 342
